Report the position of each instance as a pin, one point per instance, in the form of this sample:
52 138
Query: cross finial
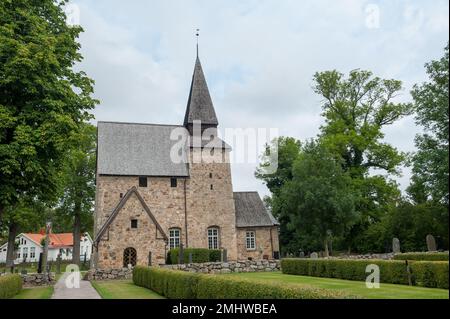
197 34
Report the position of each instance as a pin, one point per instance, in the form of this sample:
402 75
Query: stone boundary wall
31 280
109 274
387 256
229 267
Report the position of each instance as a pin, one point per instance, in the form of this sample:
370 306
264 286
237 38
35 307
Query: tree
42 101
319 201
430 164
355 110
78 185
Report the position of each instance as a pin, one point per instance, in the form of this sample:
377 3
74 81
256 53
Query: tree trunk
76 235
325 247
10 253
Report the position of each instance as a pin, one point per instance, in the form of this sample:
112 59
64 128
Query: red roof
56 240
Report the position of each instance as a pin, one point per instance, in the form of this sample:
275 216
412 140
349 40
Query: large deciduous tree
431 161
78 185
356 109
319 200
42 99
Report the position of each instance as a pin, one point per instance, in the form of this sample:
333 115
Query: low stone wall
387 256
109 274
229 267
31 280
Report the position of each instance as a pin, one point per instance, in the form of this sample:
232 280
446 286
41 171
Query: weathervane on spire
197 34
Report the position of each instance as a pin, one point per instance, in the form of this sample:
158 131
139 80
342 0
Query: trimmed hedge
424 273
435 256
199 255
10 285
175 284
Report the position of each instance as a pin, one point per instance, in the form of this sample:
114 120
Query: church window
210 175
142 181
134 223
173 182
250 240
129 257
213 238
212 187
174 238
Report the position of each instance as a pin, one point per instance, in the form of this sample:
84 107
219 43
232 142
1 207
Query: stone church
148 203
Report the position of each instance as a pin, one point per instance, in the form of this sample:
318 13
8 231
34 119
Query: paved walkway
86 291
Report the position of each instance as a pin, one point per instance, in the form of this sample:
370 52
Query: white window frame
213 237
25 253
32 252
174 238
250 240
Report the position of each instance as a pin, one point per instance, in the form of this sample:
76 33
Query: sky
258 56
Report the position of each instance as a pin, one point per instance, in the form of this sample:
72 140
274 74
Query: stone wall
109 274
229 267
266 243
30 280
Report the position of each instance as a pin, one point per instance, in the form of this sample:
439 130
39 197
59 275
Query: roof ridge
131 123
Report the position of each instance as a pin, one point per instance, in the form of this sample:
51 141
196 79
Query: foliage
430 164
318 201
185 285
431 256
424 273
199 255
10 285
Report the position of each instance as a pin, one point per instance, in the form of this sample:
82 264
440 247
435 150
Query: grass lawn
386 291
123 289
35 293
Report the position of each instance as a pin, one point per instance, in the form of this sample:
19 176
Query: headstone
181 255
431 243
224 255
190 258
395 245
301 254
314 255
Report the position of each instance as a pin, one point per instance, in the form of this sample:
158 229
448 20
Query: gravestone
224 256
301 254
314 255
431 243
190 258
395 245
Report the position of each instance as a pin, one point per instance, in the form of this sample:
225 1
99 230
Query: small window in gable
134 223
210 175
173 182
212 186
142 181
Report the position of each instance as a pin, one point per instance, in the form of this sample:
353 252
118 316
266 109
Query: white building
29 247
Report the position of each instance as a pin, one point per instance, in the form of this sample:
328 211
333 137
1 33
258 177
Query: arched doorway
129 257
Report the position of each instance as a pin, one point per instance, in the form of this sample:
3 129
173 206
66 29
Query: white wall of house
31 250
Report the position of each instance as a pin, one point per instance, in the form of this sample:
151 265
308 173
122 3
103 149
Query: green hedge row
10 285
185 285
423 273
199 255
435 256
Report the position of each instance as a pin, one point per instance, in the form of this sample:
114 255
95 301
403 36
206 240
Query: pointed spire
200 106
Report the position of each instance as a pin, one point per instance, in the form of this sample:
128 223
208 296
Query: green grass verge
123 289
35 293
386 291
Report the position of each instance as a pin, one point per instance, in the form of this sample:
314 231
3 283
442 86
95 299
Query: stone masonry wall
109 274
229 267
144 239
30 280
266 243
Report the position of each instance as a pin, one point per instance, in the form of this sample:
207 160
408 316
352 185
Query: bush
10 285
426 273
199 255
434 256
175 284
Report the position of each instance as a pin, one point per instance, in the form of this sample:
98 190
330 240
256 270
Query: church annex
147 203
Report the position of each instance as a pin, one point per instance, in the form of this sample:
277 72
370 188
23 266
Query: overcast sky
258 56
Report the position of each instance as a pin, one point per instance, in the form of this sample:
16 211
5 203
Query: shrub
10 285
175 284
424 273
199 255
434 256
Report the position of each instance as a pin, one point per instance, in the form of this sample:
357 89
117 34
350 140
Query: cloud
259 58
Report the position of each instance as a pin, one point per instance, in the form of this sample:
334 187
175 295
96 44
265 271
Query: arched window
174 238
213 238
129 257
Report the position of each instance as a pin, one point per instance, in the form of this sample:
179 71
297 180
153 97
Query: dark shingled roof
199 106
250 211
